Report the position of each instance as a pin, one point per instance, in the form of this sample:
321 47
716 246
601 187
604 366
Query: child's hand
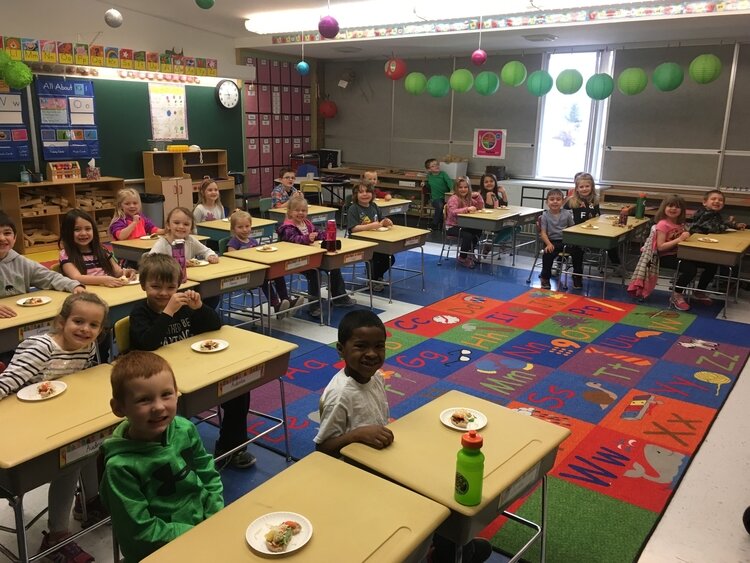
549 248
6 312
375 436
386 222
471 209
136 218
387 197
194 300
684 235
109 281
312 236
79 289
177 302
741 226
129 273
213 259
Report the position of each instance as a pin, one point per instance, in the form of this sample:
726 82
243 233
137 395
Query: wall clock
227 93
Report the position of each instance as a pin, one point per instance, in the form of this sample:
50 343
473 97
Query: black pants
688 271
233 430
336 284
469 238
381 263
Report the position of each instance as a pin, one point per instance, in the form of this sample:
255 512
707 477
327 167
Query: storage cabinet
38 208
178 175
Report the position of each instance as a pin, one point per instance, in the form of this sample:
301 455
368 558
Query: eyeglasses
289 178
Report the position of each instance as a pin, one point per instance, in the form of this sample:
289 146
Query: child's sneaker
466 262
577 281
702 298
679 302
378 286
242 459
69 553
95 511
345 302
544 283
280 309
314 311
296 301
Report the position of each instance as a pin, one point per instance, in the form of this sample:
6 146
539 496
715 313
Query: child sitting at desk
158 480
128 222
551 225
68 348
708 219
168 316
463 201
285 191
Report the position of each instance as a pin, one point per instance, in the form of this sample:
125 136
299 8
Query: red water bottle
330 240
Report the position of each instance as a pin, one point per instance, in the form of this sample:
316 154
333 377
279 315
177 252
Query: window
571 126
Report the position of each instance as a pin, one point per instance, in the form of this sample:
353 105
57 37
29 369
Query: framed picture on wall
489 143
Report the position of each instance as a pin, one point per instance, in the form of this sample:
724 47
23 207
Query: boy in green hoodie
158 480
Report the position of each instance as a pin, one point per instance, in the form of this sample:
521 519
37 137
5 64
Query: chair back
310 187
122 334
265 204
223 244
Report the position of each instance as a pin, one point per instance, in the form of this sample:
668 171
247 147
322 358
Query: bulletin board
167 103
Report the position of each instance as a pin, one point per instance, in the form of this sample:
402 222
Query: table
29 320
519 450
326 185
289 258
393 206
397 239
205 380
227 274
219 229
51 437
355 516
316 213
133 249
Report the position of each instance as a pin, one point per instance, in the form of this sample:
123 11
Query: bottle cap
178 241
472 440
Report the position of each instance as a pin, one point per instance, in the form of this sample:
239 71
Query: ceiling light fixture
540 37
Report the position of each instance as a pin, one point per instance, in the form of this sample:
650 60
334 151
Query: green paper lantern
462 80
705 68
205 4
17 75
600 86
438 86
632 81
569 81
486 83
539 82
667 77
4 60
513 73
415 83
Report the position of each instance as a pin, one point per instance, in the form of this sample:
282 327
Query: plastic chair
265 204
223 244
122 334
312 187
345 210
449 240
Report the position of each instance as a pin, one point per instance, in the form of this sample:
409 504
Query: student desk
394 240
227 275
519 451
207 379
29 320
51 437
394 206
331 187
355 516
491 221
133 249
316 213
219 229
600 233
288 258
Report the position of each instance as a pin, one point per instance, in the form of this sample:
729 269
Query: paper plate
486 210
195 263
255 535
226 219
479 422
31 392
134 281
34 301
707 239
266 248
589 226
383 229
149 237
206 346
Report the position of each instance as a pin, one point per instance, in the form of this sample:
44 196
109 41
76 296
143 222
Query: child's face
211 193
714 202
287 180
462 189
298 213
83 325
83 232
364 197
433 167
371 178
554 202
488 184
363 353
672 211
7 240
150 404
242 229
159 292
131 206
179 225
584 188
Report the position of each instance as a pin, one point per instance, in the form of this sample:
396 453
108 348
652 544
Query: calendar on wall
168 106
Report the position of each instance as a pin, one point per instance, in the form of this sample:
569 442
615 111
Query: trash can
153 208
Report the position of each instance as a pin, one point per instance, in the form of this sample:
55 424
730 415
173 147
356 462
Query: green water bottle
640 207
469 470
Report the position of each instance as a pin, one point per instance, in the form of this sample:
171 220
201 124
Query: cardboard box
454 169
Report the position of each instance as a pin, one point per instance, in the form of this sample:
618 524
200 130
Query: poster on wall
168 111
14 129
489 143
67 124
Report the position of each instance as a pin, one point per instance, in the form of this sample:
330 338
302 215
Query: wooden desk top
349 245
356 516
490 214
28 315
396 233
224 268
146 244
223 224
604 227
736 242
195 370
311 210
393 202
286 251
423 454
42 426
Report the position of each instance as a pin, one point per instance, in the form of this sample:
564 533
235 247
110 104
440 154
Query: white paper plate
486 210
134 281
256 532
266 248
383 229
707 239
194 263
730 230
479 422
589 226
41 300
150 237
31 393
226 219
200 346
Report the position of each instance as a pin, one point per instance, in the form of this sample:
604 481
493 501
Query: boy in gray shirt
553 221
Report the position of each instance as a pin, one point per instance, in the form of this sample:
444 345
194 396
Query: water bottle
25 175
330 240
178 253
623 217
469 470
640 207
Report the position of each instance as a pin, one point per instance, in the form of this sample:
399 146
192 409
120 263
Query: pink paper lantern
479 57
328 27
395 69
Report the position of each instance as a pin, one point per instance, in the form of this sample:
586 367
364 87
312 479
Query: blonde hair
207 181
295 204
463 199
237 216
369 171
122 195
576 200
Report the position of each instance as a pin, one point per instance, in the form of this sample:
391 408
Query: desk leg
16 502
283 416
543 539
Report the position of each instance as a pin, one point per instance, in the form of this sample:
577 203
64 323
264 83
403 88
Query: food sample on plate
45 389
209 345
193 262
462 418
278 537
33 301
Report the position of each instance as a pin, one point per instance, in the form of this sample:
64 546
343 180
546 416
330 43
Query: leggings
62 490
688 271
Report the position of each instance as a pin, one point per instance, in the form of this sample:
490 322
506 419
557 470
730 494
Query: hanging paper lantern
479 57
205 4
632 81
415 83
328 109
438 86
395 69
302 68
4 60
600 86
113 18
569 81
328 27
461 80
17 75
486 83
513 73
667 77
539 82
705 68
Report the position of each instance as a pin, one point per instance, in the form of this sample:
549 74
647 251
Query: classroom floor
703 522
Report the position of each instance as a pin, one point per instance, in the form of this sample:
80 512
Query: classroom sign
66 118
14 129
489 143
